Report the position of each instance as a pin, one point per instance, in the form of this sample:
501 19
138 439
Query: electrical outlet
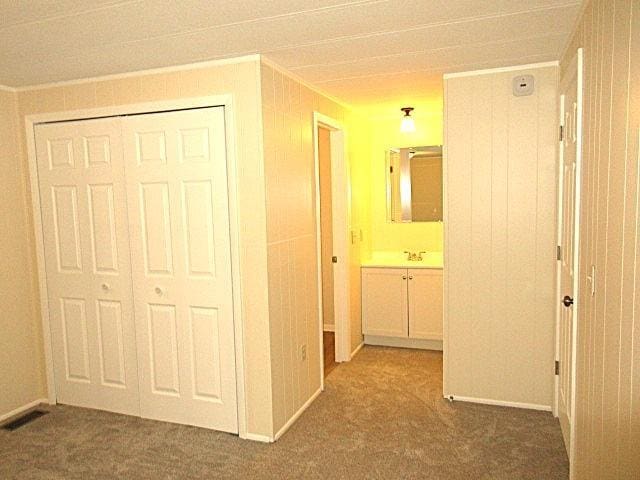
303 352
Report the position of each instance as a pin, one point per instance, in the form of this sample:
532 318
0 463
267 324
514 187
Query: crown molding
489 71
150 71
6 88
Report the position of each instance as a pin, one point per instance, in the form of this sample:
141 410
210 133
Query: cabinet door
425 304
384 302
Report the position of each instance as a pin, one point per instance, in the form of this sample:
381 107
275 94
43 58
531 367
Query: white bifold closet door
136 226
180 250
84 219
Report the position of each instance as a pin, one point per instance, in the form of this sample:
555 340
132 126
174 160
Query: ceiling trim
488 71
267 61
6 88
150 71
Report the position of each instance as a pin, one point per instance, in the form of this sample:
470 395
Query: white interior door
84 218
180 250
568 245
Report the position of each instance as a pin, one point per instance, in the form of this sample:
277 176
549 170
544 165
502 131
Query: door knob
159 291
567 301
105 287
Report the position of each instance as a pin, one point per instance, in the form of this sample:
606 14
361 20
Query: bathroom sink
399 259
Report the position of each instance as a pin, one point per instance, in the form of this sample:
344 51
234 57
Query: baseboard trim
357 349
500 403
17 411
400 342
255 437
297 415
328 328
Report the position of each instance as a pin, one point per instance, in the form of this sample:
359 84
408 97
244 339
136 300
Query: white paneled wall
500 237
288 108
607 411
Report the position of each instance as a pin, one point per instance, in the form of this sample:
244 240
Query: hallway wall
607 414
288 107
240 79
500 237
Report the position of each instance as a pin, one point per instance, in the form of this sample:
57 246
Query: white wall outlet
303 352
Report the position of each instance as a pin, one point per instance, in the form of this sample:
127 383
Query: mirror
414 184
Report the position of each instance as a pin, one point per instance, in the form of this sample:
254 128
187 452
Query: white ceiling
360 51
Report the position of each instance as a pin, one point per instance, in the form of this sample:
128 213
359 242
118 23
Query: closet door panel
179 222
85 227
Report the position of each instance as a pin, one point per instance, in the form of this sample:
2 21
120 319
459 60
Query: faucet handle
420 255
408 254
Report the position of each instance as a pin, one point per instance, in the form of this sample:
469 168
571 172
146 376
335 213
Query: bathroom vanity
402 301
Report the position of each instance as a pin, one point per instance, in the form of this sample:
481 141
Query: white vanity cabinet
402 303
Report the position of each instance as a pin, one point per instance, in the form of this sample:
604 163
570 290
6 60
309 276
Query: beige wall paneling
607 413
288 117
241 81
500 238
21 359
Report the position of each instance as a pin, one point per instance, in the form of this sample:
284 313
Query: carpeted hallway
381 416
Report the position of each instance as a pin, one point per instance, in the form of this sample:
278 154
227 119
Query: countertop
399 260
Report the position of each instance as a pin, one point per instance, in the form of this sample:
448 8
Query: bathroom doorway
331 195
326 249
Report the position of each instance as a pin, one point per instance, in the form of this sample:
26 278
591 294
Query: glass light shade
407 125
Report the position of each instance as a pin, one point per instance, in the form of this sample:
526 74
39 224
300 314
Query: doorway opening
332 242
326 249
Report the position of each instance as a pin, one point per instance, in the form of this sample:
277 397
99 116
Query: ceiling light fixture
407 125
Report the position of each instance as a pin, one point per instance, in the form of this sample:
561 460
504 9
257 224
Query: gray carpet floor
381 416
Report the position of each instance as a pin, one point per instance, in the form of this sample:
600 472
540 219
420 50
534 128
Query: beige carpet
381 416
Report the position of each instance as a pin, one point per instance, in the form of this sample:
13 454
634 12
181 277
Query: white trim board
356 350
234 230
499 403
6 88
20 410
489 71
295 416
136 73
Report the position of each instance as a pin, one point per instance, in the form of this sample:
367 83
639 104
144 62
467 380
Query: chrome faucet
414 257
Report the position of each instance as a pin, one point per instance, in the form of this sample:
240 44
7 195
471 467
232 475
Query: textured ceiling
360 51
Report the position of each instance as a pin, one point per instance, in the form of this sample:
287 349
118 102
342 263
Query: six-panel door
180 249
136 233
84 220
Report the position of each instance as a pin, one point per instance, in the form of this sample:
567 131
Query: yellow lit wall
385 133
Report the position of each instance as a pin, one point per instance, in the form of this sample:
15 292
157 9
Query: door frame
579 65
340 213
225 101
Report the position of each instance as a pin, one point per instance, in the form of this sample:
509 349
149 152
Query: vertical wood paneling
607 414
291 237
500 237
